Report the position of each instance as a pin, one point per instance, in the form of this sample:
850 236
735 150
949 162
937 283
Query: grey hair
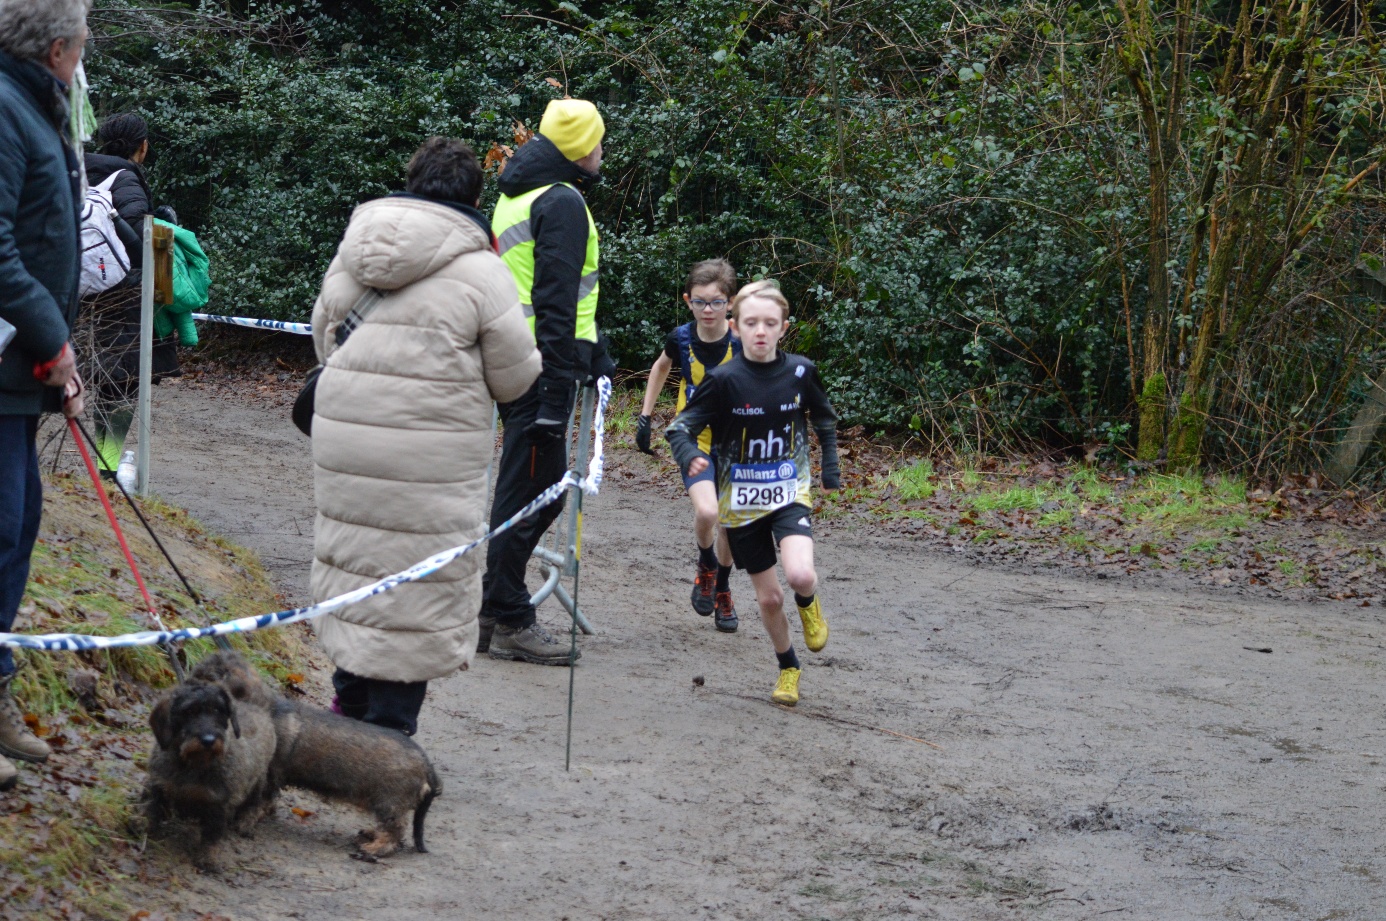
28 28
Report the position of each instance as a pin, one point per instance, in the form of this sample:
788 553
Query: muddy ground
975 742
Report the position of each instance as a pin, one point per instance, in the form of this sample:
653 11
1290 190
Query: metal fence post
563 559
146 358
573 547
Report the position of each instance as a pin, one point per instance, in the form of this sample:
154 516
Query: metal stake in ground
124 547
574 555
221 641
573 632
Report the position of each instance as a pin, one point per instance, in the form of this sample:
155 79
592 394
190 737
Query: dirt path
1103 751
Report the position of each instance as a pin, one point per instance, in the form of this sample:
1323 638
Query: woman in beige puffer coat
402 430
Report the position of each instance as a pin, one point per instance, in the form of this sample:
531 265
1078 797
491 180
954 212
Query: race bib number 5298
763 487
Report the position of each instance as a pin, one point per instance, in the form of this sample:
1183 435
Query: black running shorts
753 545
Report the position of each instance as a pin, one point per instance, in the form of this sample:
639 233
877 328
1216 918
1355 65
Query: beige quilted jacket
401 435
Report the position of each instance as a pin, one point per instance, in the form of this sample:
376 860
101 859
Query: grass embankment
1295 540
67 848
1290 539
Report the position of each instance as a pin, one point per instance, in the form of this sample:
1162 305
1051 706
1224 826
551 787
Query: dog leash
221 641
124 547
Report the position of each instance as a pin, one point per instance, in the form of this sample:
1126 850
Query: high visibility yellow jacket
548 239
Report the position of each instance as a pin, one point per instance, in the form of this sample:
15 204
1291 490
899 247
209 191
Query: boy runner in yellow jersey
759 407
696 348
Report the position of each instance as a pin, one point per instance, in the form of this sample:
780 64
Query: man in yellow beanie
548 239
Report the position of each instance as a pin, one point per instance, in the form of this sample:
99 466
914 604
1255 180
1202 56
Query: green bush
953 206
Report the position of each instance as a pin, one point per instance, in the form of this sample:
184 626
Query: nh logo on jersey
748 410
767 448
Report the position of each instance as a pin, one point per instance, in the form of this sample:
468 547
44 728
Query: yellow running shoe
787 688
815 627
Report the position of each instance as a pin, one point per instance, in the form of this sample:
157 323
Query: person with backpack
122 144
40 46
111 315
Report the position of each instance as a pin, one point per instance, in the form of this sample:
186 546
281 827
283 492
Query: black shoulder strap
358 313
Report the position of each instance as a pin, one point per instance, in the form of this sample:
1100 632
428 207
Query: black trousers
527 468
392 704
21 503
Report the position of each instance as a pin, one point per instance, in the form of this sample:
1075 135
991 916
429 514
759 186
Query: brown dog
231 671
379 770
210 763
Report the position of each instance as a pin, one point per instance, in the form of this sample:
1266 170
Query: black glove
555 404
642 435
546 431
602 363
166 213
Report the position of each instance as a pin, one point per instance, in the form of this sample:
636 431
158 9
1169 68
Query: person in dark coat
40 195
548 239
122 147
112 318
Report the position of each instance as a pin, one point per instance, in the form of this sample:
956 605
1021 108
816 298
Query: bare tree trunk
1140 59
1196 396
1154 396
1241 239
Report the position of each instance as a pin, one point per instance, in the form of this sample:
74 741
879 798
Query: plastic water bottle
126 475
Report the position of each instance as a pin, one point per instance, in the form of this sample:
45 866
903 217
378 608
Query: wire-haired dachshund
210 764
380 771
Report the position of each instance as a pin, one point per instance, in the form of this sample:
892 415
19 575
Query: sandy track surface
1098 750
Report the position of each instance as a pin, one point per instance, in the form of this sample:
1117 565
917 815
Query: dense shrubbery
957 208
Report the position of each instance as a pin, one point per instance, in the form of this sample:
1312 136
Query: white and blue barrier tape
298 329
589 484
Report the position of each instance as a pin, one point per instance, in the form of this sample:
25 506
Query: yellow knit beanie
574 126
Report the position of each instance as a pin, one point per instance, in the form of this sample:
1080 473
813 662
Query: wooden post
163 264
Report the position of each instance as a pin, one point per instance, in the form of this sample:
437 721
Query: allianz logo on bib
758 473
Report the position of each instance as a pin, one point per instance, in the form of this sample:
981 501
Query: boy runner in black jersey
759 407
696 348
